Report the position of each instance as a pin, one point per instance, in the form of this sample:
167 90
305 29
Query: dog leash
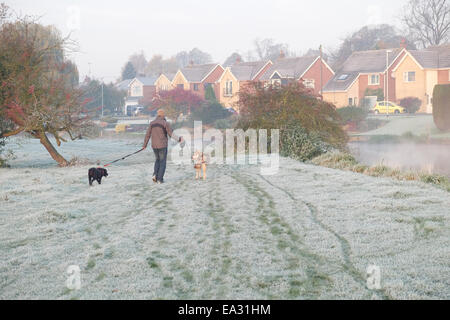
132 154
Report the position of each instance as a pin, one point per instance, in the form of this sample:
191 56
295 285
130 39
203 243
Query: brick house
311 71
197 77
237 76
141 90
419 71
164 82
361 71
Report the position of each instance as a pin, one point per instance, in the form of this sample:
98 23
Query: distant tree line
424 23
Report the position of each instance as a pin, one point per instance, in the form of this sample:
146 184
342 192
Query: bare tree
39 94
267 49
139 62
374 37
4 12
428 21
158 65
195 56
233 59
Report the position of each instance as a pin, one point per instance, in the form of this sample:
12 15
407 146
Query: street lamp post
386 81
102 99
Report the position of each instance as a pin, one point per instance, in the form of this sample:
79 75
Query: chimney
403 44
238 60
282 55
191 63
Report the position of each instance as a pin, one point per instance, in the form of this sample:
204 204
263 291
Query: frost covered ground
306 233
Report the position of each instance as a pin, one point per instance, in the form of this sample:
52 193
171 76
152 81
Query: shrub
336 160
210 94
294 108
298 144
176 102
224 124
411 104
209 112
352 114
441 106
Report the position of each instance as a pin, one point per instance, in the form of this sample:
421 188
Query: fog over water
431 158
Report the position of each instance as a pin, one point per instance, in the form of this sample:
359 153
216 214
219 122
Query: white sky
108 32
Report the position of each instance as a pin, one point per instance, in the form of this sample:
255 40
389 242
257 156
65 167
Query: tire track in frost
216 287
171 271
288 239
348 266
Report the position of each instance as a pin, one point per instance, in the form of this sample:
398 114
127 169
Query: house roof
124 85
290 67
197 73
341 81
370 61
169 76
147 81
433 58
247 71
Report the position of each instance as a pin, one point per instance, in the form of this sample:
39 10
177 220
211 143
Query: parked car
391 108
121 128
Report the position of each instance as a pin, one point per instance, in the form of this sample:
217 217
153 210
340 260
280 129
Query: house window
350 101
409 76
228 88
276 82
374 79
136 91
195 86
309 83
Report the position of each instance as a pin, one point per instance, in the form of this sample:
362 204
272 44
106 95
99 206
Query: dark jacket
158 131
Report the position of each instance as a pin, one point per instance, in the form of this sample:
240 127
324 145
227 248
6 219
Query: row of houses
398 73
228 81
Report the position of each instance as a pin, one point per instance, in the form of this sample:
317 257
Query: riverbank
347 162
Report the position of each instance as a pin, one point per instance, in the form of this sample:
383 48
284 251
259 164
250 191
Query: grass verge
345 161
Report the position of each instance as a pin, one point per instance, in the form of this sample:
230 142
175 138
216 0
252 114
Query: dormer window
343 77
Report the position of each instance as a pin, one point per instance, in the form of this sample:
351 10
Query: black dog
97 174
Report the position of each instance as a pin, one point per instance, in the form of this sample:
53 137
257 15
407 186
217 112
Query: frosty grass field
306 233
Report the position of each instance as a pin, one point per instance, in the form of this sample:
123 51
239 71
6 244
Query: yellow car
121 128
391 108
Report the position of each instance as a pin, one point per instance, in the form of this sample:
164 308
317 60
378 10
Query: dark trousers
160 163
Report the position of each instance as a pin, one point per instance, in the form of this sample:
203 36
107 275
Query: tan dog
199 164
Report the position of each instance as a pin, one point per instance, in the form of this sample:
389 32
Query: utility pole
387 83
90 63
102 99
321 72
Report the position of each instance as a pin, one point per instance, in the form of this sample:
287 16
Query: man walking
158 131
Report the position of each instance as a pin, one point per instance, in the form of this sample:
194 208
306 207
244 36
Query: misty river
430 158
